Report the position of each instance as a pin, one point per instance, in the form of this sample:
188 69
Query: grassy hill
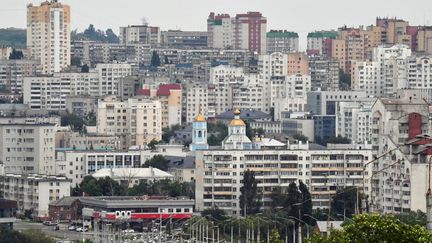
13 37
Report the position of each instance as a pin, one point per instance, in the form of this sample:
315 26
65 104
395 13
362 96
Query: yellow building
48 35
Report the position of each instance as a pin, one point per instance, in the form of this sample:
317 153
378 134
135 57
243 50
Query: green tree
344 80
249 198
413 218
275 237
91 186
111 37
153 143
158 161
217 133
166 61
300 137
37 236
85 68
75 122
75 61
345 202
294 198
214 213
376 228
155 60
16 55
168 133
306 207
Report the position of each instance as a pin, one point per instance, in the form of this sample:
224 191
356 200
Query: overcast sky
301 16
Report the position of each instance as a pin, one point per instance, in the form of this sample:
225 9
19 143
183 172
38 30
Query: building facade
48 35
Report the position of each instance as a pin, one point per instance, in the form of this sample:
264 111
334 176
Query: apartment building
184 39
244 31
354 120
51 92
27 148
385 74
289 93
324 73
282 41
140 34
219 172
12 73
400 129
75 164
110 75
318 42
48 35
298 63
136 121
170 97
196 101
34 192
324 102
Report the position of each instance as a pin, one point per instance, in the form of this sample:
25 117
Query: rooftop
245 115
142 173
281 33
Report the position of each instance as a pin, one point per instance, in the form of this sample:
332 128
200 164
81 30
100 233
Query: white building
12 73
27 148
289 93
219 172
34 192
354 121
48 35
110 75
244 31
401 173
385 74
133 176
196 101
135 121
282 41
140 34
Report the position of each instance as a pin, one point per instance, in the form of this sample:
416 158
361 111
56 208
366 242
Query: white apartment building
110 75
225 80
135 121
140 34
271 66
34 192
289 93
244 31
400 178
197 101
354 120
48 35
219 172
420 72
27 148
385 74
76 164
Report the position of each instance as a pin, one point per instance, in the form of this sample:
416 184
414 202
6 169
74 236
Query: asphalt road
49 230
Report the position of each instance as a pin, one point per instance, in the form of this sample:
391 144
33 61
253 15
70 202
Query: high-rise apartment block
140 34
48 35
27 147
244 31
282 41
135 121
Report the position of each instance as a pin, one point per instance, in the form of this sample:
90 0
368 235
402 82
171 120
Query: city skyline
278 18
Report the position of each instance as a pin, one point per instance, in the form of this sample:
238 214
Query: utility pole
429 200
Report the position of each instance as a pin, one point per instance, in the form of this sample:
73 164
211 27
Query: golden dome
237 122
237 112
200 118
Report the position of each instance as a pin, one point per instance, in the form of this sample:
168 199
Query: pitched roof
65 201
141 173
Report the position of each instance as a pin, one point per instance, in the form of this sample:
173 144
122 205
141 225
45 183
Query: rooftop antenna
144 21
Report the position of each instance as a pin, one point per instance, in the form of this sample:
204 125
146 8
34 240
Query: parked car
49 223
81 229
72 228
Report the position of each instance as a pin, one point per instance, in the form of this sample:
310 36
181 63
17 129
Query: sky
302 16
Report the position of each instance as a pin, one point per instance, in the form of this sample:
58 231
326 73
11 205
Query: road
64 234
49 230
